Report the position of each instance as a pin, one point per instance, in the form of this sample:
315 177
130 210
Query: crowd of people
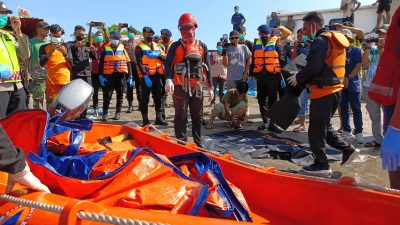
341 64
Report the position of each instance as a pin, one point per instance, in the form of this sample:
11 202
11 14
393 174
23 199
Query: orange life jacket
150 59
266 56
115 61
333 73
179 61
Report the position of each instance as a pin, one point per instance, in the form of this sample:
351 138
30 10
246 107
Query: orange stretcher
270 196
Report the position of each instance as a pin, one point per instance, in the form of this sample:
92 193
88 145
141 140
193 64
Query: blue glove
5 72
390 149
103 80
129 81
148 81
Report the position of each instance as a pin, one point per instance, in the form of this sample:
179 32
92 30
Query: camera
124 25
97 24
302 45
370 40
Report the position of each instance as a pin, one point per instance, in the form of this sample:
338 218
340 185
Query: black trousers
155 91
182 101
320 130
115 82
129 91
267 92
96 87
164 96
138 85
11 101
218 83
87 79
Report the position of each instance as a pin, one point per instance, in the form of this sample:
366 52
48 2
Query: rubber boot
160 120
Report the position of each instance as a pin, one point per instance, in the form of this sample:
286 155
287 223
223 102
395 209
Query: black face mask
80 37
149 39
264 38
165 39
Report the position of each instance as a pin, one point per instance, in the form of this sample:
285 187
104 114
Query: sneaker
349 155
262 126
274 128
359 139
117 116
95 113
315 169
346 135
105 117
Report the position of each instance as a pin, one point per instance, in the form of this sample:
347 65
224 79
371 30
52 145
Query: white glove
211 95
169 86
26 178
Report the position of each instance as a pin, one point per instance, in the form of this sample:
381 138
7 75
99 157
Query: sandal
372 144
299 129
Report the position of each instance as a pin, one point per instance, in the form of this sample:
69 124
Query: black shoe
130 109
318 170
161 122
145 122
349 155
95 112
117 116
262 127
104 118
274 128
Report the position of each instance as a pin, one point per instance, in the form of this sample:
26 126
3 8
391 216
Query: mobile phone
97 24
124 25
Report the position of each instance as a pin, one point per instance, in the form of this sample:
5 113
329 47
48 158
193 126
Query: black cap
148 29
3 8
233 33
42 25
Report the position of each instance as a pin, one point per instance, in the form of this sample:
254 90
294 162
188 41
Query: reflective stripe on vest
150 59
8 57
266 57
115 62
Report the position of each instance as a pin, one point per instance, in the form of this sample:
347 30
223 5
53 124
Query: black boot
117 116
160 120
130 109
145 120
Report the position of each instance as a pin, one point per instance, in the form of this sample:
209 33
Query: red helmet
187 18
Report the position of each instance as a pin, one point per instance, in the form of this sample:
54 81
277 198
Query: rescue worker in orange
324 73
113 66
187 65
266 68
165 43
54 56
150 62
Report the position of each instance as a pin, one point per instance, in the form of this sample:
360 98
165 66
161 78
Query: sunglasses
234 38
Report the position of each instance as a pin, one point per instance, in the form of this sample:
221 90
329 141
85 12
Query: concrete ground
366 168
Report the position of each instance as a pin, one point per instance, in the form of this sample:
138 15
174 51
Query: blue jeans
354 100
304 99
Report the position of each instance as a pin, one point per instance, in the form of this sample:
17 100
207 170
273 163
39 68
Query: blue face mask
114 42
55 39
241 36
3 20
219 48
130 35
236 11
98 39
305 38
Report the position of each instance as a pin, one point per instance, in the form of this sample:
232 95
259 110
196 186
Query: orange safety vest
150 59
180 58
266 56
115 62
332 77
